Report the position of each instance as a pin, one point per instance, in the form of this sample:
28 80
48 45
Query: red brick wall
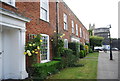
37 26
63 8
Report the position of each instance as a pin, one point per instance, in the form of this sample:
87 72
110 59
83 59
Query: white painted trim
48 56
14 16
44 61
75 39
10 25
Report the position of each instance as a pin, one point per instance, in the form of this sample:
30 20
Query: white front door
0 54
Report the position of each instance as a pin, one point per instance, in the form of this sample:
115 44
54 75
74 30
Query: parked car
98 49
114 49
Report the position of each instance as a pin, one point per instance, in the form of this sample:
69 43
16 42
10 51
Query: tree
95 41
90 32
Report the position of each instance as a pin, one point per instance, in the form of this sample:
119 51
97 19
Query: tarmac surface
107 69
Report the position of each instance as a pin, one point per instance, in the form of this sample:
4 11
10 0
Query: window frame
77 29
81 34
65 43
65 19
48 52
73 28
44 8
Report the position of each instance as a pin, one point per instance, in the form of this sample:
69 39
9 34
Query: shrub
81 47
90 50
82 53
86 49
75 47
57 58
68 58
42 70
58 47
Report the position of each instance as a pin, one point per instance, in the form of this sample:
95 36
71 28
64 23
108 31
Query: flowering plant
33 46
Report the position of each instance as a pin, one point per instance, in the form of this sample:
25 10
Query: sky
98 12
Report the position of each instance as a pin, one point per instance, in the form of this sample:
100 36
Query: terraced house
23 20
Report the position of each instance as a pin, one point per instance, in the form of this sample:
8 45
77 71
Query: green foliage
57 48
81 47
86 49
57 58
90 50
33 45
42 70
68 58
75 47
82 53
90 32
57 43
96 40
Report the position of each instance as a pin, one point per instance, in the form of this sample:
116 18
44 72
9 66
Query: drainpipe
57 16
57 30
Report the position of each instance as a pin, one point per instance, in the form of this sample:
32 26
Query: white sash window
76 29
45 48
72 26
65 22
44 10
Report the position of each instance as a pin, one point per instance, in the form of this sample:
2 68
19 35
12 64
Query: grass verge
88 71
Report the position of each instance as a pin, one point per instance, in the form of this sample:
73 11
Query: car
114 49
98 49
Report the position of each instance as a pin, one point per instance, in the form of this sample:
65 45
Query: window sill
65 30
45 21
44 61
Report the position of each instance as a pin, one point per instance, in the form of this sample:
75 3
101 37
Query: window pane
43 14
65 43
76 29
65 22
44 4
72 26
44 48
44 10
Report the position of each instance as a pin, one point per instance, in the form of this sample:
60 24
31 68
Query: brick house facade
40 26
72 20
43 21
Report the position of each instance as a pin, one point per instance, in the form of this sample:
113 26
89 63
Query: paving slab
107 69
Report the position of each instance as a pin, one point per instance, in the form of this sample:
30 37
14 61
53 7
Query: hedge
42 70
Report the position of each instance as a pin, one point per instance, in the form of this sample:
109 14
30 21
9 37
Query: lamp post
111 57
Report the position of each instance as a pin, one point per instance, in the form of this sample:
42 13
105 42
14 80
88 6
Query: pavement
107 69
